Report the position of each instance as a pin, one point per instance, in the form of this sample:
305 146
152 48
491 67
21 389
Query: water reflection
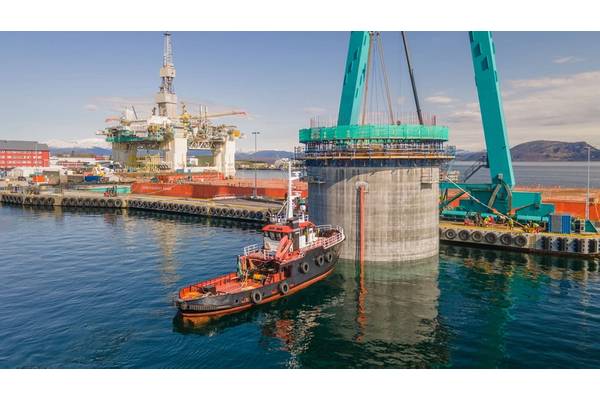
347 319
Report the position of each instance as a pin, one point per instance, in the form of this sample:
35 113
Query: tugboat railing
253 248
325 242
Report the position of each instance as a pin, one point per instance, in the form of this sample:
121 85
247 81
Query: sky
59 87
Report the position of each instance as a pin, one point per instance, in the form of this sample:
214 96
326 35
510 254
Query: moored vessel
295 254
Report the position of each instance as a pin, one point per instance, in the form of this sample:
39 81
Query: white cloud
563 108
439 99
567 60
90 107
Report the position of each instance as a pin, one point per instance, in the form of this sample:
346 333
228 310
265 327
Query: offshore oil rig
170 133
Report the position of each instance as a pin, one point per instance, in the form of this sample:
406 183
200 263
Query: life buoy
477 236
463 235
304 267
320 260
520 240
506 239
450 234
329 257
491 237
284 288
256 297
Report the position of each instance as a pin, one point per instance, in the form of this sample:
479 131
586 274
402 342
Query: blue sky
59 87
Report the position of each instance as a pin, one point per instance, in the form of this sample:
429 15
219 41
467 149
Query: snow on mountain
79 143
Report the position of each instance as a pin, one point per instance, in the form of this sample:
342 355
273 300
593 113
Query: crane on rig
497 196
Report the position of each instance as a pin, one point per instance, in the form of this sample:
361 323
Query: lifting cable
385 78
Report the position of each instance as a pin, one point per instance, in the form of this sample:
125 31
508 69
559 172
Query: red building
21 153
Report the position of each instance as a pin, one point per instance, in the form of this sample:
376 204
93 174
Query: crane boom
354 78
490 104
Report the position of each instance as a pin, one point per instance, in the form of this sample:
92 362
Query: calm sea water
94 289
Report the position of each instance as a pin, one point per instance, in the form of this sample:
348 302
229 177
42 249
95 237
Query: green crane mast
498 195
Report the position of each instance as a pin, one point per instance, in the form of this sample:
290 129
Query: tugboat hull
317 264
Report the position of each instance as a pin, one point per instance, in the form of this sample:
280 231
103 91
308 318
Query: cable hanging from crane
376 85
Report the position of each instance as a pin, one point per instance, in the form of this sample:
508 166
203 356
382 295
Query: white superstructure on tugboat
295 254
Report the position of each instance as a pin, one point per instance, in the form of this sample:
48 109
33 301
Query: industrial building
171 133
375 173
21 153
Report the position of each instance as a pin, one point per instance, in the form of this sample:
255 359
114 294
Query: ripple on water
94 289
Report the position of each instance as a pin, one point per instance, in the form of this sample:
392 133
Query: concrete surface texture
400 211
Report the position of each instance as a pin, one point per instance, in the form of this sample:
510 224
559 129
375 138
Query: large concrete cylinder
400 220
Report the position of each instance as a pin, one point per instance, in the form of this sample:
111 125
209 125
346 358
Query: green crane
498 195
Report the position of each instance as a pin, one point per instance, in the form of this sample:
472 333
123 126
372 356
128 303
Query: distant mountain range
264 155
538 150
541 150
97 151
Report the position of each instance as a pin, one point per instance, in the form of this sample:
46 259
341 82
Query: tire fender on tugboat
320 260
304 267
256 297
284 288
329 257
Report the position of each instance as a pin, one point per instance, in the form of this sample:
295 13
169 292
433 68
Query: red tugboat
295 254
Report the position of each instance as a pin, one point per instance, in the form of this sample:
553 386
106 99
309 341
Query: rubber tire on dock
260 216
203 210
450 234
477 236
251 215
506 239
284 288
96 202
491 237
256 297
245 213
463 235
102 203
520 240
304 268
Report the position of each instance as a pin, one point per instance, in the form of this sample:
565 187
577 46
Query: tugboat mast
290 195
